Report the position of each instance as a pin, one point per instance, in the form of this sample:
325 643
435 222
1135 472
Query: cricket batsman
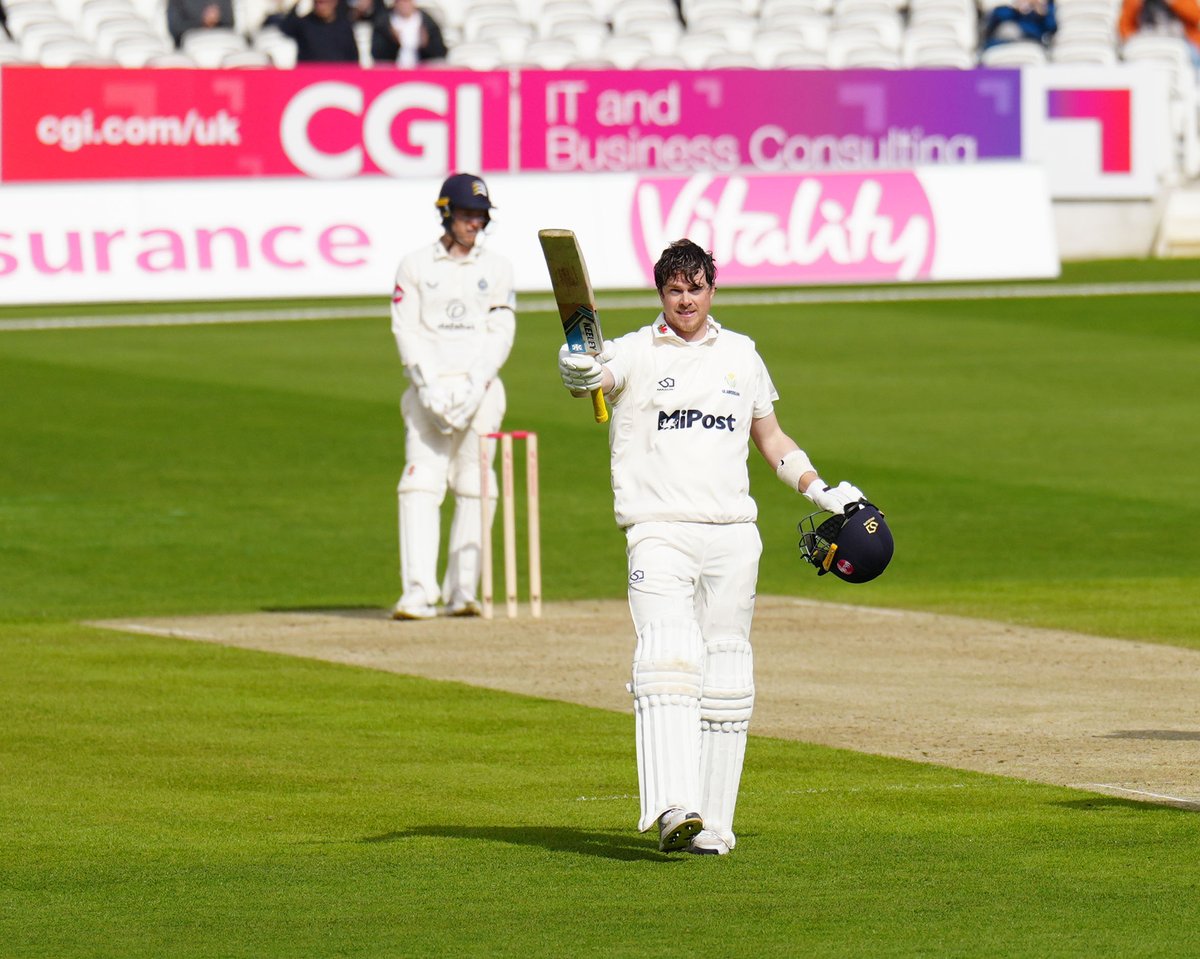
687 397
454 319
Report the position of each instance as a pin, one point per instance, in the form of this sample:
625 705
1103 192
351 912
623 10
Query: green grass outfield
1037 461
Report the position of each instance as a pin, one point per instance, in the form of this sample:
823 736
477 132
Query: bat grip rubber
599 407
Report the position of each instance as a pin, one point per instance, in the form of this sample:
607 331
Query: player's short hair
684 258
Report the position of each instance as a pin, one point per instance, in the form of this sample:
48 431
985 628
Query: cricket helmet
462 191
855 546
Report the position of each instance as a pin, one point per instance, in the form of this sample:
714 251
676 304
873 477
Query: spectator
1032 20
405 35
323 35
185 15
1179 18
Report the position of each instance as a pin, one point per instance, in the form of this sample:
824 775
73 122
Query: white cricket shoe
708 843
466 608
676 829
413 612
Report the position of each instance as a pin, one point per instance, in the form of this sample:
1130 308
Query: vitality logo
686 419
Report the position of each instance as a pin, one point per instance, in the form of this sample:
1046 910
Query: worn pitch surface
1106 715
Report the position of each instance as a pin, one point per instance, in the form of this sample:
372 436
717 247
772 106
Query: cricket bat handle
599 407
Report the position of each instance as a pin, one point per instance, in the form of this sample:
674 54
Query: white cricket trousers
691 595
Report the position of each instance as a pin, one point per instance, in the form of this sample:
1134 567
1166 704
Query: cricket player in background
687 396
453 316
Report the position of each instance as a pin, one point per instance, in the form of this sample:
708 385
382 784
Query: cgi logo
1112 109
458 118
686 419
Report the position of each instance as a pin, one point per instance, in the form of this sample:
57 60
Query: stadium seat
107 33
870 57
476 55
660 61
510 37
738 30
241 59
814 26
801 60
550 53
1020 53
771 9
136 51
697 48
33 36
887 28
625 51
662 11
769 46
1085 51
664 35
208 47
68 52
586 35
935 35
943 57
277 45
172 61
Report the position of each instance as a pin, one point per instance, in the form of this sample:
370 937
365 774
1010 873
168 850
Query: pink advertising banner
784 229
323 122
673 121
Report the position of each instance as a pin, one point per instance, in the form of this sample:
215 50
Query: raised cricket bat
576 302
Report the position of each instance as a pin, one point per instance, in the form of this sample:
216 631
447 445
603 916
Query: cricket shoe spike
676 829
708 843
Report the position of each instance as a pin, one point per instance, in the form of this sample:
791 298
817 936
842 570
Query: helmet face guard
855 546
818 544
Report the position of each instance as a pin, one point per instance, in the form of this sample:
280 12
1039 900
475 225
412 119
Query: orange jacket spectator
1135 14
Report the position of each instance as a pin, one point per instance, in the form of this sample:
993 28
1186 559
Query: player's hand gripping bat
576 302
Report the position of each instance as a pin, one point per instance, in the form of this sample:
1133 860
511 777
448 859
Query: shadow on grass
1130 805
606 845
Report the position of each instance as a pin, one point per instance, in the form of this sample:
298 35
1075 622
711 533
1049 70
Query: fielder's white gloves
464 402
581 372
436 399
833 499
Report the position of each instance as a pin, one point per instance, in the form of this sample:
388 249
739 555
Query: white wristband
792 467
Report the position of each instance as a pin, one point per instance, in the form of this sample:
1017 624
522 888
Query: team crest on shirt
730 384
398 294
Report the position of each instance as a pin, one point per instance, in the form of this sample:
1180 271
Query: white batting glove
581 373
464 402
833 499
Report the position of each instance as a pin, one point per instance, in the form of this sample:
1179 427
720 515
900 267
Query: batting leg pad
420 535
666 696
726 703
462 562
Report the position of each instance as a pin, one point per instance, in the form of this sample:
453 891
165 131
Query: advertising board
211 239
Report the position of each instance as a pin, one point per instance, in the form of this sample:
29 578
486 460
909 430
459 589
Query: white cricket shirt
680 427
454 315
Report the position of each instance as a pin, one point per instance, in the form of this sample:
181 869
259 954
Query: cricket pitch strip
1109 716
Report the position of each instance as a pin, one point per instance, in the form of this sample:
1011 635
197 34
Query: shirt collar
441 253
663 331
